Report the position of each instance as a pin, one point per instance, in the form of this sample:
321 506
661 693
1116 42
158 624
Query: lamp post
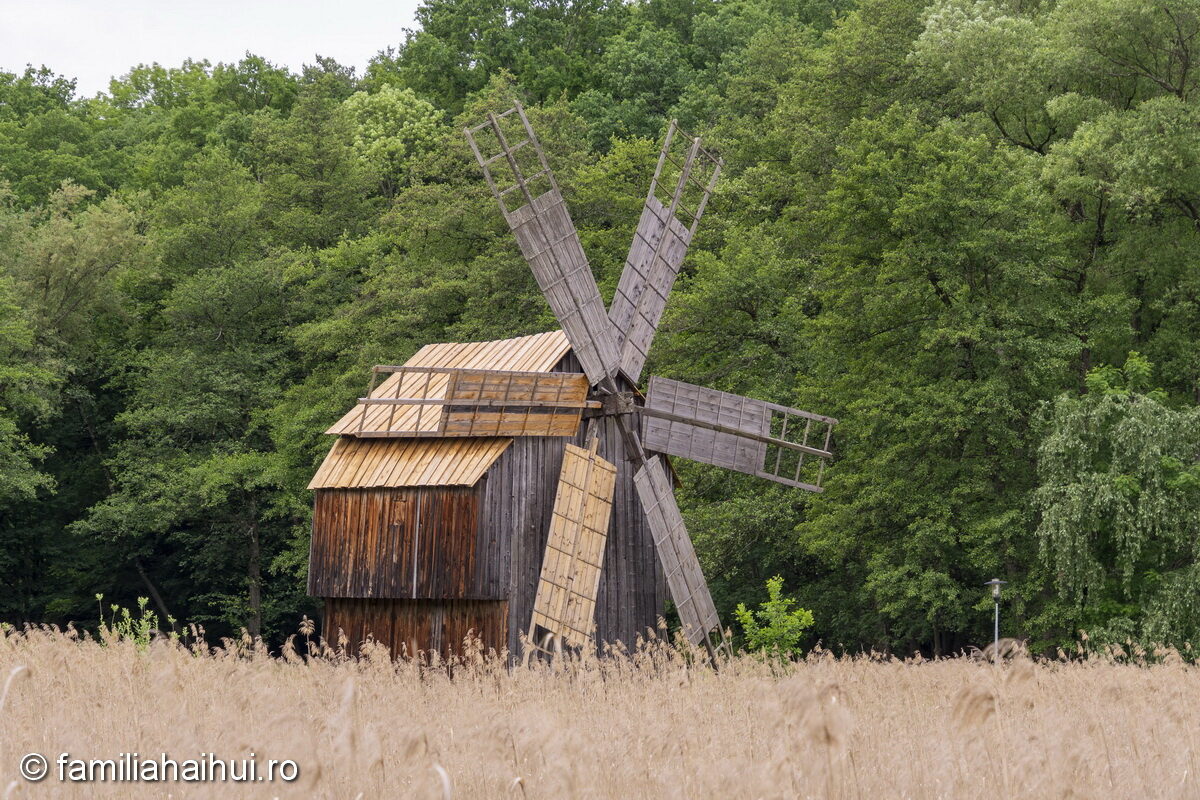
996 583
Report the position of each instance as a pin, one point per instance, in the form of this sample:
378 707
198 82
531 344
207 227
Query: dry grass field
641 727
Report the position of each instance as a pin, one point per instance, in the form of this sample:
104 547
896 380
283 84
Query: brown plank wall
413 542
411 626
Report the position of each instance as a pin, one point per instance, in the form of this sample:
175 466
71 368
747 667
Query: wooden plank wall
519 497
417 625
633 586
412 542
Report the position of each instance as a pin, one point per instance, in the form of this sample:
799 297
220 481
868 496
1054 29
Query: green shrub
140 629
776 628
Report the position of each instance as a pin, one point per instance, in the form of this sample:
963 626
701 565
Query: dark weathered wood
416 542
409 627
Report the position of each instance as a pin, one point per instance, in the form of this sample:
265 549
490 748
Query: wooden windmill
520 486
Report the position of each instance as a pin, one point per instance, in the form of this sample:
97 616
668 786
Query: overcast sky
94 40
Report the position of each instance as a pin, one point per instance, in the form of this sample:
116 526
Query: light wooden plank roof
378 463
536 353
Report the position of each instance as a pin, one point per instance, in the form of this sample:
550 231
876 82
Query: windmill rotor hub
616 404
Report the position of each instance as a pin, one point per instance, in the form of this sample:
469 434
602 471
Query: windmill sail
566 594
659 245
770 441
518 174
676 554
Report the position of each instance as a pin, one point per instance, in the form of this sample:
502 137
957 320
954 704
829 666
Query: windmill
673 418
494 489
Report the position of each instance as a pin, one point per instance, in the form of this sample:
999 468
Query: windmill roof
537 353
392 463
385 462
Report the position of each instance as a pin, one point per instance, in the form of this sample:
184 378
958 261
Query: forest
969 230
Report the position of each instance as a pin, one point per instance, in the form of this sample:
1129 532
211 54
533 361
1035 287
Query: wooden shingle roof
392 463
537 353
355 463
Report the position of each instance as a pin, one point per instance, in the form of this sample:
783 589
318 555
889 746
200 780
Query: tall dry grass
645 726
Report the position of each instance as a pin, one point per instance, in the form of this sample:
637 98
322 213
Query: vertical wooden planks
392 543
413 626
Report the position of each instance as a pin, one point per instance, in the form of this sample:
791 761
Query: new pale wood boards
565 604
440 401
536 353
392 463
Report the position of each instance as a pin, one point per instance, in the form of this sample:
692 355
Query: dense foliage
948 225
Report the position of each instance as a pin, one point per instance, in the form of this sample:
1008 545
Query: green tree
315 189
393 127
1119 499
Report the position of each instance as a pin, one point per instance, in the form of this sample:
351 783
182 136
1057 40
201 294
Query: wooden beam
712 426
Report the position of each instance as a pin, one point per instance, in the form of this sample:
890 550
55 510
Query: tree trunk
254 573
154 595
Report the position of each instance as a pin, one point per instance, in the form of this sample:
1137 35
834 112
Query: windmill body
418 540
521 487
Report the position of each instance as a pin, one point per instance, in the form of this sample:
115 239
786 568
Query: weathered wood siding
633 586
519 497
409 626
414 542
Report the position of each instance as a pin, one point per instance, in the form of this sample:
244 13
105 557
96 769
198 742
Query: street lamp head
995 583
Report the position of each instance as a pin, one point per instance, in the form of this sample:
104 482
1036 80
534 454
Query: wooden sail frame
660 242
549 241
677 555
565 605
763 439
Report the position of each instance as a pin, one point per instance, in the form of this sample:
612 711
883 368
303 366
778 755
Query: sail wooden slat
565 603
